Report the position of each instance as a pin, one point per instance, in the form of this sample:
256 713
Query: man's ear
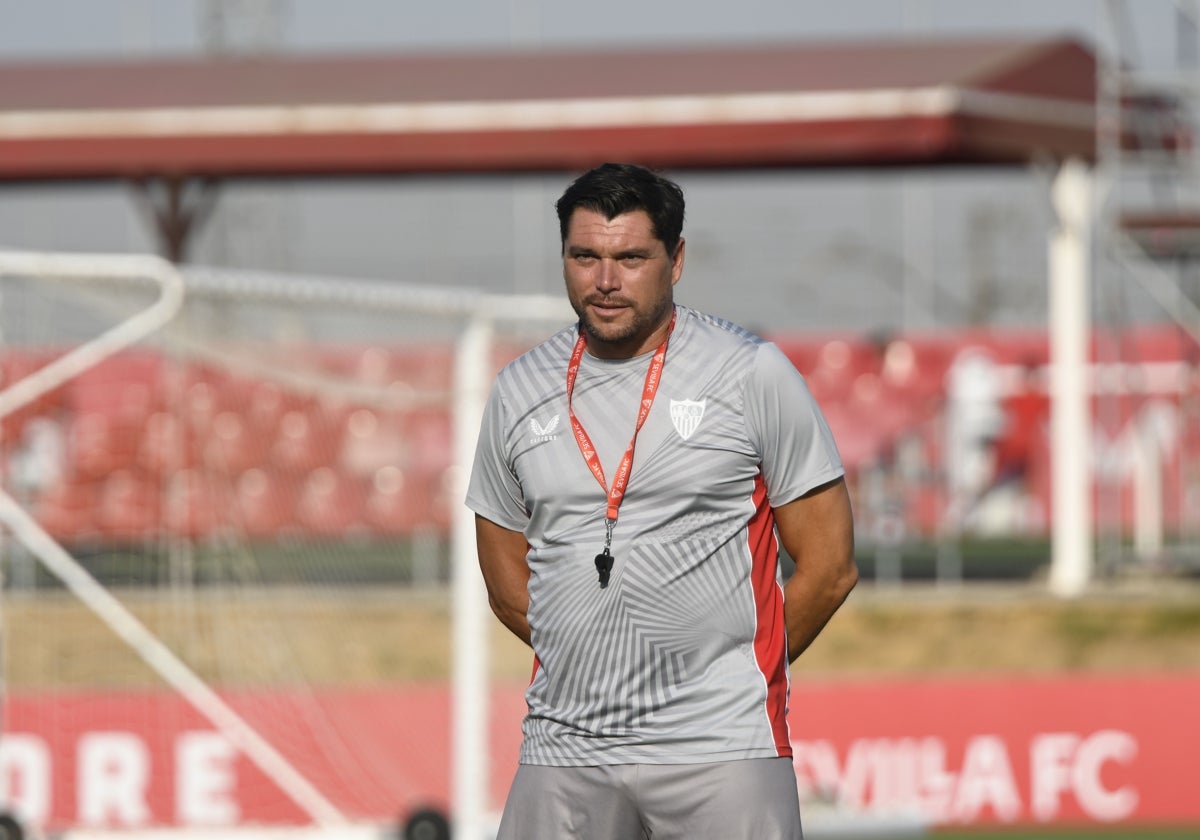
677 262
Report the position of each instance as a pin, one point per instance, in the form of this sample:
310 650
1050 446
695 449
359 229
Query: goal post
473 353
376 388
165 663
469 601
136 327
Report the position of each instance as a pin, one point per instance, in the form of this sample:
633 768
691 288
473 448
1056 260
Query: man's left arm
817 530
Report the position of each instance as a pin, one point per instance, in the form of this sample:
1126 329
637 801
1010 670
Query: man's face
619 280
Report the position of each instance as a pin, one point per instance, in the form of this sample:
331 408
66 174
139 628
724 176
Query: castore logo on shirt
541 433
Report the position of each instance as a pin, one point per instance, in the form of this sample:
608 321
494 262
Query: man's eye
633 259
585 259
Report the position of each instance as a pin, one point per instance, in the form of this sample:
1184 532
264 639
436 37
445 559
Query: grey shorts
755 799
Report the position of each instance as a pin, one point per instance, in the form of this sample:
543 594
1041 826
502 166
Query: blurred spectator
1001 433
1026 410
974 418
40 461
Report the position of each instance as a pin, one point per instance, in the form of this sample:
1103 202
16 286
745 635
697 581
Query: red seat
830 378
16 365
330 504
202 403
166 447
373 366
371 441
889 412
394 506
266 405
128 383
232 447
304 442
264 505
444 499
430 442
97 447
197 506
129 507
67 510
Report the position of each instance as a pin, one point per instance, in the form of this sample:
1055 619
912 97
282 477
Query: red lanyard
653 376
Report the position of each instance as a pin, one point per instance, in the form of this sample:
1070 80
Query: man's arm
818 532
506 573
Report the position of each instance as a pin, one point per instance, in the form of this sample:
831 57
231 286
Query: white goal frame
480 312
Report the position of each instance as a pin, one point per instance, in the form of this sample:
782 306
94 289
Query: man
649 588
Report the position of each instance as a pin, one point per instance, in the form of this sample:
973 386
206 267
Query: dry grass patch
369 635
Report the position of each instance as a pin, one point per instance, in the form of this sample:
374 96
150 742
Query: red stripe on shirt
770 635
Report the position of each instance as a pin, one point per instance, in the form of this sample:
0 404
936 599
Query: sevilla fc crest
686 415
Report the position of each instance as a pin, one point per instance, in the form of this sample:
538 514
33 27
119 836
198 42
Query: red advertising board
1080 750
1054 750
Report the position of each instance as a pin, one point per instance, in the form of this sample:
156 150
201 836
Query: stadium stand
153 446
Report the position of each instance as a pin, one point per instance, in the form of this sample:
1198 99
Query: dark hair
616 188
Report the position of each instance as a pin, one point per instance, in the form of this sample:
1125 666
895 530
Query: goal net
238 573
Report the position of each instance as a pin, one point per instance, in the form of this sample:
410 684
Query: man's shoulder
734 353
719 335
546 358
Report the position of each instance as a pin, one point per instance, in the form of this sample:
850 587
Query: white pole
63 566
133 329
165 663
1147 489
1070 421
471 704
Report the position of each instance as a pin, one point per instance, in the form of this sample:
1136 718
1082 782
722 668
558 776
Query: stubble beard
643 323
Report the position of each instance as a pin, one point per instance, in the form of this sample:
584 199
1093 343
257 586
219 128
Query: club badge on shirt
686 415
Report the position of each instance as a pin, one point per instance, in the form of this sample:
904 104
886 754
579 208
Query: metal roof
910 102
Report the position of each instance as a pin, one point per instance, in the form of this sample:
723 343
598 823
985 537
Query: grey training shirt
683 657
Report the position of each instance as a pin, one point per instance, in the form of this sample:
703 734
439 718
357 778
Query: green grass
283 562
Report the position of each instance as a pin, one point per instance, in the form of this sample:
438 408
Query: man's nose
606 276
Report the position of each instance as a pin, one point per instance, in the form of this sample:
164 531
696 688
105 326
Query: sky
777 250
125 27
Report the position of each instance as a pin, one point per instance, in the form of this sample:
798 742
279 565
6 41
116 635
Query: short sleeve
785 423
494 492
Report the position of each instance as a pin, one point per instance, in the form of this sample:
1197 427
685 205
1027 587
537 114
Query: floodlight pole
1071 560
